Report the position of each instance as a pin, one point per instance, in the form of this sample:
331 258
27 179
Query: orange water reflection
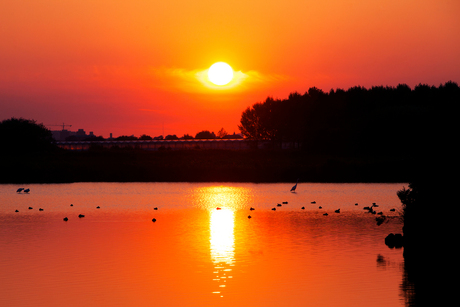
222 203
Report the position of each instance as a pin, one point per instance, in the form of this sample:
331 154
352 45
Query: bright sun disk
220 73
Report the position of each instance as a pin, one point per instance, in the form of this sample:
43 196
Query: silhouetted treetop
357 120
205 134
24 136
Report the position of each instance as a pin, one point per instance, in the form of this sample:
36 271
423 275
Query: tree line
356 121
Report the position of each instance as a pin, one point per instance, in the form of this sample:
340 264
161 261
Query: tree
145 137
187 137
259 122
222 133
205 134
25 136
126 138
171 137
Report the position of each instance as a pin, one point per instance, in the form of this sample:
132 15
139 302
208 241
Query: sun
220 73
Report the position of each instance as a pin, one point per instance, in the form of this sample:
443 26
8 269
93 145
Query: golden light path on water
222 202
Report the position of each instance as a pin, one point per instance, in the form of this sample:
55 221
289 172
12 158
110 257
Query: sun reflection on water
222 240
222 203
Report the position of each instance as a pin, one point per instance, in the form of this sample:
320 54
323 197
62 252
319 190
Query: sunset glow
137 67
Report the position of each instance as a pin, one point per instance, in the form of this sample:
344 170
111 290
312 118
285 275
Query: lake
195 254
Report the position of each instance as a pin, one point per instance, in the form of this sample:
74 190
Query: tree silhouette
357 121
25 136
205 134
222 133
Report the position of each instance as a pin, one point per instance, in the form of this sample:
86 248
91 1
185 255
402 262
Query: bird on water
295 186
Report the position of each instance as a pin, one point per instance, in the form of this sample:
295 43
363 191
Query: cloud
196 81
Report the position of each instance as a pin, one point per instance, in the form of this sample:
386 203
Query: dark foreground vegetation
382 134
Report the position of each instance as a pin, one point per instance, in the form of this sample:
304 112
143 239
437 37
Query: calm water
195 255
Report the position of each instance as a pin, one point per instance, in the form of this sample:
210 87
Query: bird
325 214
285 202
252 209
313 202
392 209
278 205
154 220
218 208
274 209
303 208
71 205
337 211
26 190
40 209
156 208
81 215
65 219
20 190
16 210
249 216
295 186
30 208
356 204
320 207
98 207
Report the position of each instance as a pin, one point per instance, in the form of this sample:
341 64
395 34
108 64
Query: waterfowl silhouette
156 208
249 216
71 205
16 210
285 202
295 186
81 215
19 190
392 209
313 202
40 209
154 220
30 208
98 207
252 209
278 205
65 219
320 207
303 208
337 211
26 190
325 214
274 209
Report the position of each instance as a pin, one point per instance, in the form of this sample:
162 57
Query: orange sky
130 67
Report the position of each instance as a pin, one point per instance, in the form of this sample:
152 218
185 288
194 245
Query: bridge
232 144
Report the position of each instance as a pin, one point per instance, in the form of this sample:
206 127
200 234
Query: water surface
195 254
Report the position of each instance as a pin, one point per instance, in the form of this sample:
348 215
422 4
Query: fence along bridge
232 144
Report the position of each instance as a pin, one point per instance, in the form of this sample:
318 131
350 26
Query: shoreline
261 166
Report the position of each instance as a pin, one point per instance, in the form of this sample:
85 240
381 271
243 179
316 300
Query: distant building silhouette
66 135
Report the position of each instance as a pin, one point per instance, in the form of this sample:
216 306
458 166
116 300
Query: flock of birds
370 209
20 190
